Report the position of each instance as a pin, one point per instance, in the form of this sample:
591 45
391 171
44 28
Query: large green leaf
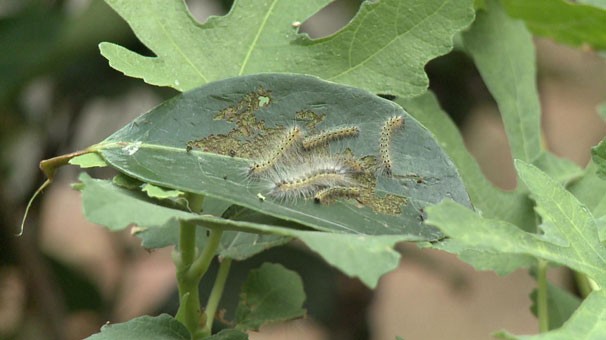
383 49
117 208
503 52
564 21
363 256
486 198
588 323
229 126
270 294
570 235
143 328
514 207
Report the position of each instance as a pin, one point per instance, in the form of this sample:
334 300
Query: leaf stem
542 296
215 294
201 263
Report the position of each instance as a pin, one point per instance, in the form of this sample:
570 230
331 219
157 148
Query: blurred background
65 277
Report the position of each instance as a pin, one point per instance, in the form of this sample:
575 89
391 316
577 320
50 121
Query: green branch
215 294
191 267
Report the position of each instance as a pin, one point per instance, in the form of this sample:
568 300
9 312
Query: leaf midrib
257 35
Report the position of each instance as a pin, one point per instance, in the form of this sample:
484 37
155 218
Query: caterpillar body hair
327 195
385 162
303 178
288 142
329 135
307 186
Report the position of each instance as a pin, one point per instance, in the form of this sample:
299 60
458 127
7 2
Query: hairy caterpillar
327 195
303 178
326 136
287 143
387 130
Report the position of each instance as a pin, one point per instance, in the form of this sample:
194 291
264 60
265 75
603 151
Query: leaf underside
205 140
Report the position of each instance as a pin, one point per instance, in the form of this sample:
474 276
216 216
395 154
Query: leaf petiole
215 294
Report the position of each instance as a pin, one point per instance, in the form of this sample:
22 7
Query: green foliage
154 148
561 305
155 191
144 328
368 53
599 158
234 245
569 230
586 323
270 294
228 334
38 41
492 202
510 77
569 236
567 22
589 189
183 165
368 257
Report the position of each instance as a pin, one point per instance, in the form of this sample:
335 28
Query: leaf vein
373 55
257 35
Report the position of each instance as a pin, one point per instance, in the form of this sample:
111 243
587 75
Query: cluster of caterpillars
297 166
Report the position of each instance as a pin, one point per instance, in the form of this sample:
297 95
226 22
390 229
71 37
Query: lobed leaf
570 235
383 49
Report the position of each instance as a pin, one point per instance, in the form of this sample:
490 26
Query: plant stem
190 270
215 294
201 264
189 300
542 295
